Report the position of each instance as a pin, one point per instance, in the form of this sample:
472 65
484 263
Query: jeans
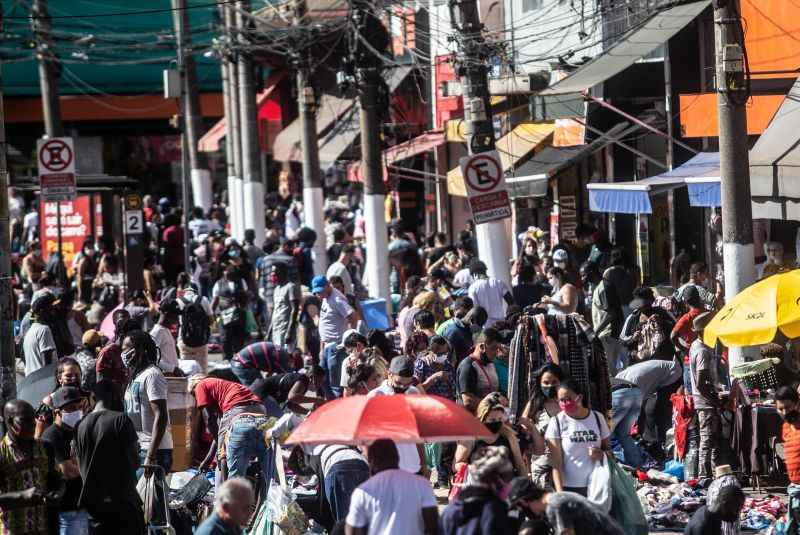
73 523
710 436
246 442
233 339
687 379
340 482
246 375
333 359
626 403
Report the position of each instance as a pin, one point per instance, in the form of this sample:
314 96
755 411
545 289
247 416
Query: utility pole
235 184
253 191
48 83
193 121
493 244
182 122
369 80
8 375
312 182
732 94
225 67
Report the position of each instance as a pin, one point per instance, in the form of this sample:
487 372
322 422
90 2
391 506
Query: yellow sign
133 201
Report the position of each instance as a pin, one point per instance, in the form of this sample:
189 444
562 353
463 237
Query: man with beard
29 482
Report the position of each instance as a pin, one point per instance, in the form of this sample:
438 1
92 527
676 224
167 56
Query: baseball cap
318 284
402 366
560 255
92 338
66 395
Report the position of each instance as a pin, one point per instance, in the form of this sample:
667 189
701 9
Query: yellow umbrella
754 316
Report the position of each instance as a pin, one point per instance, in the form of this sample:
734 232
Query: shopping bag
283 511
459 480
599 492
626 508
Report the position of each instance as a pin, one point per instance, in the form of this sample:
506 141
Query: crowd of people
292 339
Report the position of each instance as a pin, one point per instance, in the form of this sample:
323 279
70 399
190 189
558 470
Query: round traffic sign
483 172
55 155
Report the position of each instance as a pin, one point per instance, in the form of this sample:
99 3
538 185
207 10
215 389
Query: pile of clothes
670 506
762 513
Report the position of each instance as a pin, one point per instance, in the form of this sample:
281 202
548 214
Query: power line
126 13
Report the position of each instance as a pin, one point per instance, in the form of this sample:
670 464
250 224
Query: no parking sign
486 187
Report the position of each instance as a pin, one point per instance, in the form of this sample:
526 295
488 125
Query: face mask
440 359
399 389
273 278
71 418
494 427
552 281
549 391
568 405
484 358
127 357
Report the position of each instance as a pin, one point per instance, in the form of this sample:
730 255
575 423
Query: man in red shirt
236 419
682 334
787 403
173 247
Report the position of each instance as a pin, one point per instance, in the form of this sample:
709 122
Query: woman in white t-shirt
578 438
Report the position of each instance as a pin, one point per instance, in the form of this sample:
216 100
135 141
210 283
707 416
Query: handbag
599 491
231 316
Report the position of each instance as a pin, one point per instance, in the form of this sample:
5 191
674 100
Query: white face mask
440 359
71 418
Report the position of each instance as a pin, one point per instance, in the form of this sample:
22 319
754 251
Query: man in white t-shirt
146 399
392 501
38 345
339 268
401 378
492 294
162 335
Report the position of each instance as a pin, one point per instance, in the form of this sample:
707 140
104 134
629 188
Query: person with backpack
195 326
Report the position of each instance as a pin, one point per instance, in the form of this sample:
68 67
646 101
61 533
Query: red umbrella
402 418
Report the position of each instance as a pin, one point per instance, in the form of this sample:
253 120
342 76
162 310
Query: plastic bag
674 468
626 508
283 512
600 492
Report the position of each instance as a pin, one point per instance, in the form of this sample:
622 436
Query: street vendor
703 363
236 419
787 403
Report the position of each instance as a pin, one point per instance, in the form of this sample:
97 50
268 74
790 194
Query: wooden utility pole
737 214
253 191
193 119
8 375
312 182
368 75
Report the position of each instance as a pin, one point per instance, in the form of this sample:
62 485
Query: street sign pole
56 160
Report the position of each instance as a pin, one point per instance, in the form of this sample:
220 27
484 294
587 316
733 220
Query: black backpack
195 327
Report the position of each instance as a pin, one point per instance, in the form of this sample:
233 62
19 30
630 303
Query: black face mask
494 427
484 358
550 391
400 389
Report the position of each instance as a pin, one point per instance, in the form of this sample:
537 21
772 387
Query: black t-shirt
527 294
467 378
59 439
108 456
278 386
703 522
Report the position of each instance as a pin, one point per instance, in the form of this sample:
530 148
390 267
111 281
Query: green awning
119 54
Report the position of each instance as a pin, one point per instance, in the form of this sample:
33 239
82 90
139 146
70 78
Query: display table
754 428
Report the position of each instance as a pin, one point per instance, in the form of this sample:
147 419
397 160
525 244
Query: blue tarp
621 201
704 194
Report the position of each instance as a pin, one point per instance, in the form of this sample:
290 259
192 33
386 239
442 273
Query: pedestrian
536 416
720 514
286 308
457 330
647 329
249 363
787 403
354 344
336 314
233 506
276 254
606 315
86 356
577 437
683 335
656 381
168 311
492 413
146 400
562 513
194 331
340 268
563 298
38 345
480 507
29 481
488 292
68 404
400 382
392 501
251 250
704 365
343 469
109 361
67 373
527 291
236 419
626 405
698 279
477 376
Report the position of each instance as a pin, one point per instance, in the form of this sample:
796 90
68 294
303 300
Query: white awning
639 42
775 163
